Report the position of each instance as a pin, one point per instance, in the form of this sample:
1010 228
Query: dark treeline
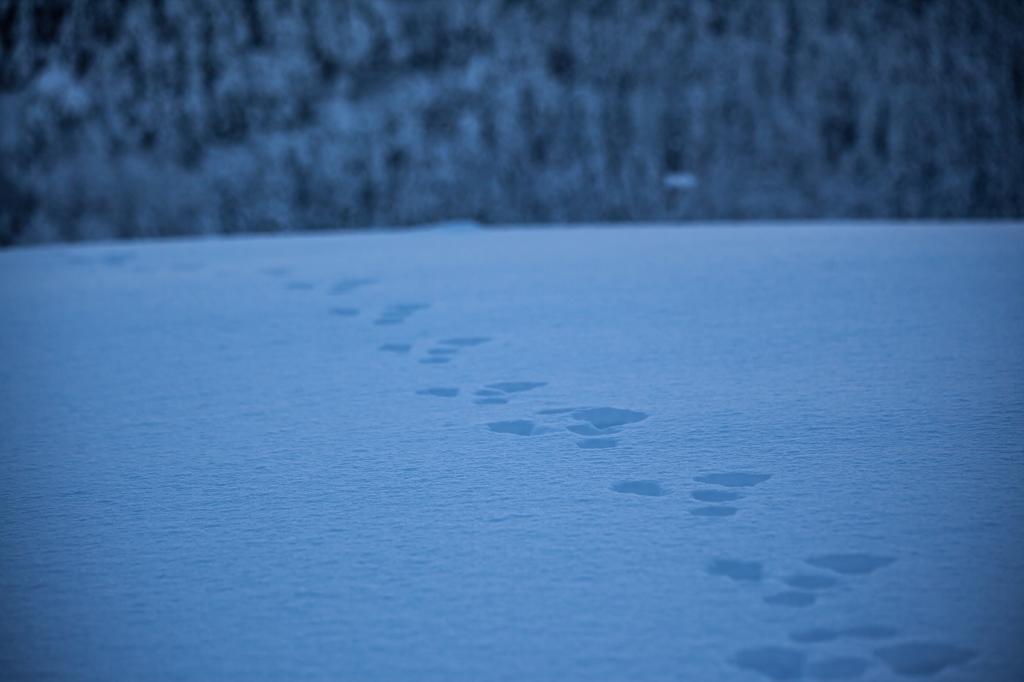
124 119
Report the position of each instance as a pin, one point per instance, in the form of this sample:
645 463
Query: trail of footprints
392 315
718 497
442 352
598 424
911 658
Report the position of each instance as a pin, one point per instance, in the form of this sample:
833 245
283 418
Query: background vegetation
125 119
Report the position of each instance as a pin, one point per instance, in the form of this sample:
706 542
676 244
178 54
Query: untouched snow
729 453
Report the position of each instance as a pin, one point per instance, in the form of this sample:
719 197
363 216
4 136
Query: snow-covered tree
182 116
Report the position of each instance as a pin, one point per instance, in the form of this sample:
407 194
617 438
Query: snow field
732 452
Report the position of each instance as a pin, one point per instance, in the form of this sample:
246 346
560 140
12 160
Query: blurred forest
124 118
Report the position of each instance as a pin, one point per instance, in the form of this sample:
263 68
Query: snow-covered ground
701 453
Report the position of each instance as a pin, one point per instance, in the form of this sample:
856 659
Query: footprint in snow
602 418
518 427
399 313
588 430
466 341
726 480
347 285
599 421
439 392
497 394
441 355
715 495
919 659
516 386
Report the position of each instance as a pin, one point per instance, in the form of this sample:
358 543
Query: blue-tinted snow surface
724 453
